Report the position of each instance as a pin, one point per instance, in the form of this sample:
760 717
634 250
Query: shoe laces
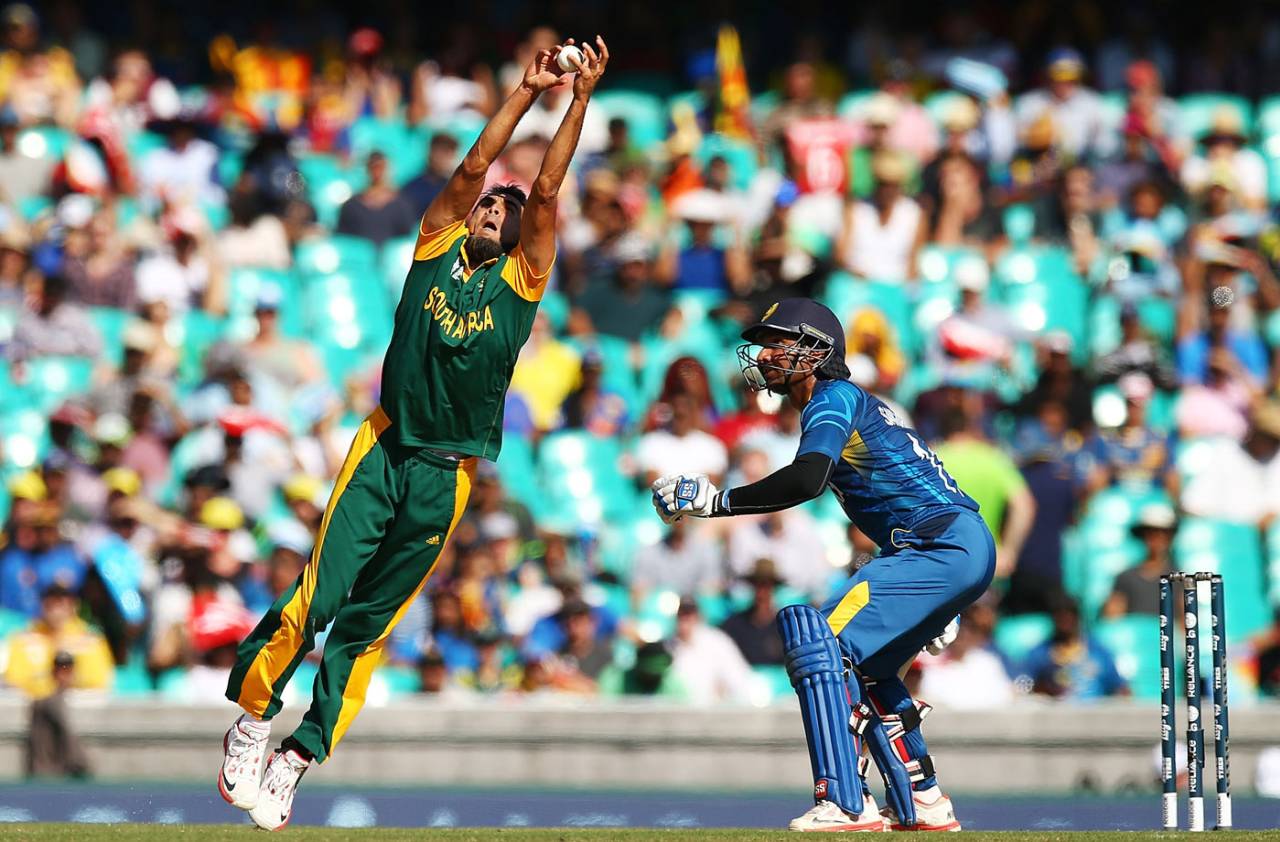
283 774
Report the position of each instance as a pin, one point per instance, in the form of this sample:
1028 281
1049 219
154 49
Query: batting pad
816 670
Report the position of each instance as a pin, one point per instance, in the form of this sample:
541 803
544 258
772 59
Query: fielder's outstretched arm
462 190
538 223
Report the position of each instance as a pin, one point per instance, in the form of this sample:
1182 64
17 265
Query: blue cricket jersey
885 477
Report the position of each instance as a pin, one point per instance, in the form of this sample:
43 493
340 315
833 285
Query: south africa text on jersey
457 325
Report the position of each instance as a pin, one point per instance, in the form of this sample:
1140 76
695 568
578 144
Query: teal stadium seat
1042 291
44 142
852 104
324 255
581 471
1132 641
1273 564
846 295
1234 550
51 380
406 151
328 185
1017 635
395 262
645 113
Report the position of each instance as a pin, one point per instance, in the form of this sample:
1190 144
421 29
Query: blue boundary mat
326 805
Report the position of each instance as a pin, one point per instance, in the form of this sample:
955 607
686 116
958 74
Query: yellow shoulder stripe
435 243
520 276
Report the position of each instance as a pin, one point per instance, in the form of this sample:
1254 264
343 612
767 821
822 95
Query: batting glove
675 497
942 641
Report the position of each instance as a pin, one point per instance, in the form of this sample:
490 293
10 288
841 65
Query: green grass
218 833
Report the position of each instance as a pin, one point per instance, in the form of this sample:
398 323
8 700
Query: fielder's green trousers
391 512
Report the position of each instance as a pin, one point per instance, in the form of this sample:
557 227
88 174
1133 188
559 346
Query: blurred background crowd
1050 233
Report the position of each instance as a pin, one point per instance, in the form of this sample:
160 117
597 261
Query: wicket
1190 583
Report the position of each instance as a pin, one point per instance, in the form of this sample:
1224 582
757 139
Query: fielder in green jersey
480 267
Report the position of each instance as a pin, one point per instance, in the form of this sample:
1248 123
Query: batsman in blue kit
936 557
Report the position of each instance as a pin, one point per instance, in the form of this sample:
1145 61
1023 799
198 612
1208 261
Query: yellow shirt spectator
547 371
31 652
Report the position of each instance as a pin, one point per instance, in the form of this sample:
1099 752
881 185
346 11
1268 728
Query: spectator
800 101
880 118
789 538
870 335
547 372
1134 455
37 558
750 417
628 303
977 340
1070 217
913 132
184 171
1050 460
41 85
992 479
585 654
1219 405
1224 144
57 630
881 237
684 447
452 87
253 238
684 561
495 669
1071 665
593 407
287 364
1060 380
1075 111
703 265
99 265
434 679
371 86
753 628
1244 349
53 326
705 661
685 376
378 213
442 158
1135 591
963 215
53 747
968 674
22 175
185 273
1138 353
1240 481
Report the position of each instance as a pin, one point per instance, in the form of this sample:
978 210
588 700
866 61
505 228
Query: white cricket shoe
242 752
930 815
829 817
275 796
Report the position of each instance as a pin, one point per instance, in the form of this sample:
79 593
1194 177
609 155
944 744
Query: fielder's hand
677 496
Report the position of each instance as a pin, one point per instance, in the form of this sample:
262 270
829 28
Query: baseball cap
126 481
973 275
112 428
28 485
632 247
1156 516
960 115
799 317
270 297
140 336
881 110
889 166
1065 64
221 513
1136 386
289 534
302 487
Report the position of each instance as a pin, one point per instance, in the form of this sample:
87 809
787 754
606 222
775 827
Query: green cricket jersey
453 349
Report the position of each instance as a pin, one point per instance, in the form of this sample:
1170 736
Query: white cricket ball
564 58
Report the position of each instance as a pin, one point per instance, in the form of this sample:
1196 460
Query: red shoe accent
921 828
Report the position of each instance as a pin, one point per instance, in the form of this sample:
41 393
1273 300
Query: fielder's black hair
510 192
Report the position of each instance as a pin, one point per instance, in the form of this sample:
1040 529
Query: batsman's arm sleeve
802 480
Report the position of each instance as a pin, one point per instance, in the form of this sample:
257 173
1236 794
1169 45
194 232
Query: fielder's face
496 219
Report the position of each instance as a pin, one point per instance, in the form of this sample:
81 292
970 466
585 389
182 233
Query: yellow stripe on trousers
852 602
362 670
278 652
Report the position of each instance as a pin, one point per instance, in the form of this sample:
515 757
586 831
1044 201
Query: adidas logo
433 540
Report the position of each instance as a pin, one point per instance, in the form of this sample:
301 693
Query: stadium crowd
1060 273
